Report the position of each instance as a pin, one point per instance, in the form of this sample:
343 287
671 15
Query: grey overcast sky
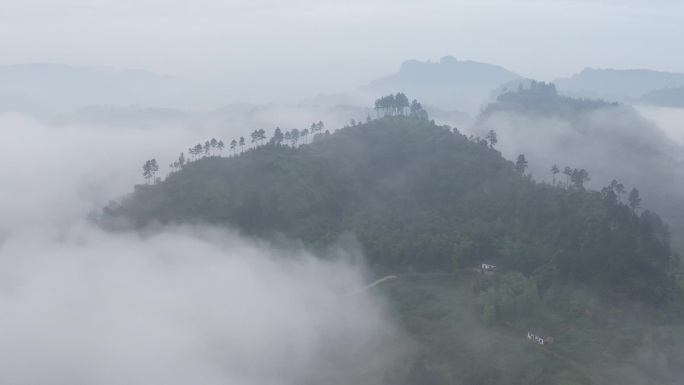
341 43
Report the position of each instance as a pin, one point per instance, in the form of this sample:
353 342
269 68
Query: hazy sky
339 43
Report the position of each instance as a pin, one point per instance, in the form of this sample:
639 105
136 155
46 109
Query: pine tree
554 170
521 163
154 167
491 138
214 144
634 199
147 171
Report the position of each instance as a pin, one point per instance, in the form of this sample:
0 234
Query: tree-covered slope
462 339
609 140
419 197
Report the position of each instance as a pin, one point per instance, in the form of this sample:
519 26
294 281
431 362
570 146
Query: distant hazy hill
448 84
47 89
668 97
132 116
617 85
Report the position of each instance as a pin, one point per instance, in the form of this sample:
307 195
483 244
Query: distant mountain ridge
42 88
447 72
47 90
617 85
668 97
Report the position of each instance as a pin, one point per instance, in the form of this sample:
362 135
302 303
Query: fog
60 173
609 143
90 90
188 305
670 120
64 171
176 305
640 151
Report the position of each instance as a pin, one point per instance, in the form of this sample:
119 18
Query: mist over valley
341 193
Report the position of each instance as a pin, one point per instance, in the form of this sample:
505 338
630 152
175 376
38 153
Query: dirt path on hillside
370 285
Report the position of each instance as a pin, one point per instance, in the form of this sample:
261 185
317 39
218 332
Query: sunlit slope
418 197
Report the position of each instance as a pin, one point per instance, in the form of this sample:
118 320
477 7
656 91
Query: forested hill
542 99
418 197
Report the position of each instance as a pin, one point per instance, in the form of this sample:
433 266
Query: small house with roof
539 337
489 267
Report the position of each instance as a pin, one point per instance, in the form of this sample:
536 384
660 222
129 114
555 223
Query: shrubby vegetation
482 339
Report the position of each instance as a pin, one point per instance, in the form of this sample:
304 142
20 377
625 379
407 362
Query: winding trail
374 283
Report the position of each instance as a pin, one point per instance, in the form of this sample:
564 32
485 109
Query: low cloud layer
188 305
668 119
184 305
55 174
605 142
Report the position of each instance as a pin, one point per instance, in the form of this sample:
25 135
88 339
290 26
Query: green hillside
419 197
595 343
